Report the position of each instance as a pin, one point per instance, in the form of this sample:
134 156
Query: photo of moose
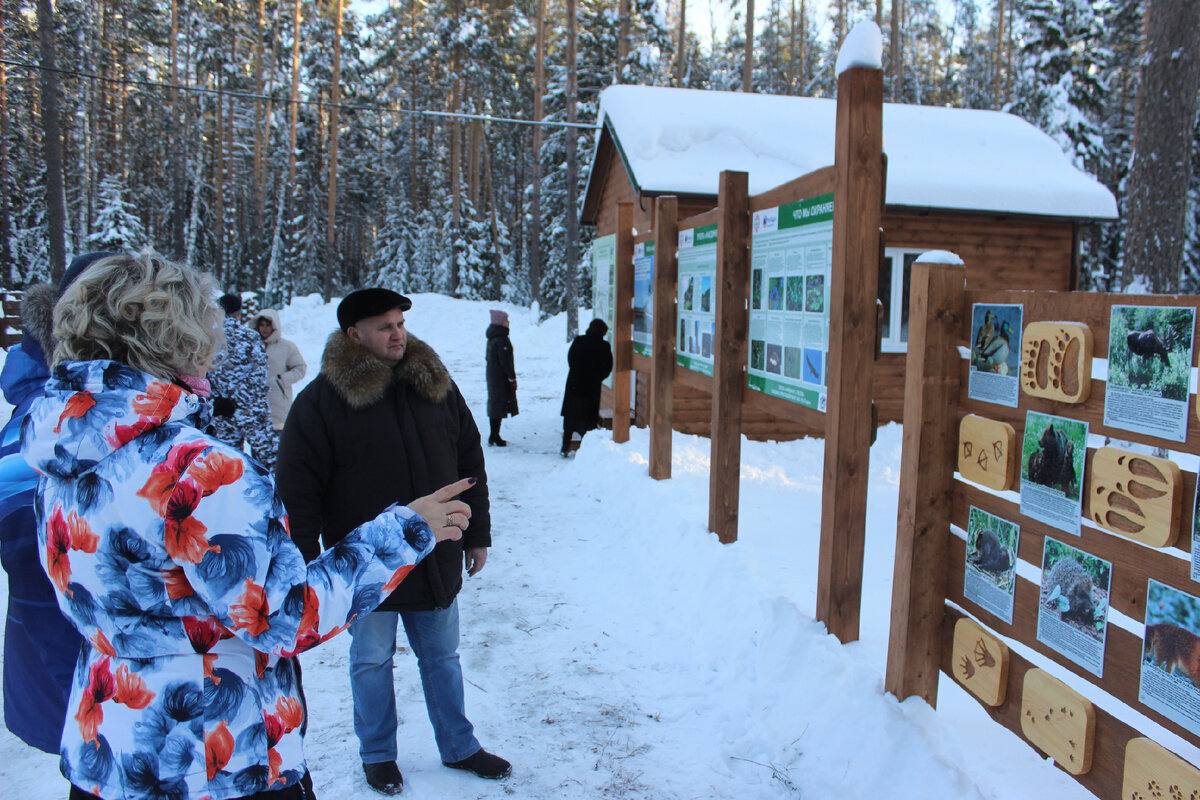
1150 348
1170 667
1073 604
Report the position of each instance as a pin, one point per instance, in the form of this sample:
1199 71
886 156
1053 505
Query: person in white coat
285 365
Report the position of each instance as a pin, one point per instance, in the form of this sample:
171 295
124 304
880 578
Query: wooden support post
936 321
857 211
623 320
729 353
662 374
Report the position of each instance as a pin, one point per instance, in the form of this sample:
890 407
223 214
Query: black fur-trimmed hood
361 379
37 315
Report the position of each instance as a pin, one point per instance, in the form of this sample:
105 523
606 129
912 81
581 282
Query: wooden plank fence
10 322
929 599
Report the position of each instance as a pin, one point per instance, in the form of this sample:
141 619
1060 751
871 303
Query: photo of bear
1053 452
1150 349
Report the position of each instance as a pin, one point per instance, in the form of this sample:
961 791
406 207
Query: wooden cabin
985 185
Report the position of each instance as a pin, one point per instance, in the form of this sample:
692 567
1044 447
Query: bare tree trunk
258 185
748 56
1156 203
681 47
623 40
535 223
219 187
175 152
335 95
455 155
56 203
572 248
998 66
897 60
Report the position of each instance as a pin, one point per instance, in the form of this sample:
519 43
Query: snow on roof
679 141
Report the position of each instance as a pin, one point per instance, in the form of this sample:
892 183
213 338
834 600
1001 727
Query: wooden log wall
928 590
10 322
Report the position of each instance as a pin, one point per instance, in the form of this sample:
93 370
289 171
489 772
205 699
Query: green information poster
604 285
790 263
697 299
643 298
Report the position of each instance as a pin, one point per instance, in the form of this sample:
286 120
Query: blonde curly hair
142 310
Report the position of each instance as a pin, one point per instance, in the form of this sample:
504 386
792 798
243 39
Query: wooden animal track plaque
1136 496
987 452
1152 772
1056 361
980 662
1058 721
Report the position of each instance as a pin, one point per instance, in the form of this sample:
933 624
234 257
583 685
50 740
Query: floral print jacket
170 552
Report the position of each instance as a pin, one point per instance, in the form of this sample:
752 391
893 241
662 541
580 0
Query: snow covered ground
614 649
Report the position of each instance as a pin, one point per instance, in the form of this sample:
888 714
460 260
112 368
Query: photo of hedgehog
1075 588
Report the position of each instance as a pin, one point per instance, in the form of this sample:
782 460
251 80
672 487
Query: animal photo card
1149 366
1195 517
990 576
1073 604
995 353
1170 674
1052 457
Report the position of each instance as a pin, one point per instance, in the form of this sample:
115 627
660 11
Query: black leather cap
359 305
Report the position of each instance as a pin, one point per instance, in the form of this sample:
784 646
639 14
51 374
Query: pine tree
116 226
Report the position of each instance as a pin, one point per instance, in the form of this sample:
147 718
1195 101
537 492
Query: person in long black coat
501 376
590 361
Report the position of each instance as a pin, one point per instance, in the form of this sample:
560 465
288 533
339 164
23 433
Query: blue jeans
433 636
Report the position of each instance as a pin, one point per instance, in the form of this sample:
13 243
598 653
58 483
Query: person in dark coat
590 361
40 645
501 376
381 422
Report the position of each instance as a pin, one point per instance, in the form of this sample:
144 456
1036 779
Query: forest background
299 146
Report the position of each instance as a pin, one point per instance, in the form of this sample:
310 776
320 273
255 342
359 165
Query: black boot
495 439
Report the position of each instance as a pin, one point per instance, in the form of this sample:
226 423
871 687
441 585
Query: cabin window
895 277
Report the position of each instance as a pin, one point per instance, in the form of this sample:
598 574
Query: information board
643 298
696 307
790 263
604 285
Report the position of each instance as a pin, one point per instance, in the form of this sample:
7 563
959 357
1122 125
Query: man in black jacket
384 423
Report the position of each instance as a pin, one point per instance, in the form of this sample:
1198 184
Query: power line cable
252 96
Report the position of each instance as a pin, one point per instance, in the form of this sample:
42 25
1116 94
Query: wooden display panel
980 662
1058 721
1136 496
1152 771
1056 361
987 452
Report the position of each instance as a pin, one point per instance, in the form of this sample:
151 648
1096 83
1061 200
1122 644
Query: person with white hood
285 365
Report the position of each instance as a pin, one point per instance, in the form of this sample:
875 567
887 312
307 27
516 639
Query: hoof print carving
1136 496
1058 721
980 662
1056 361
987 452
1152 771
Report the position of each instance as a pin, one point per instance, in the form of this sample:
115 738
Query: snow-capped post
623 323
729 353
931 386
857 210
662 373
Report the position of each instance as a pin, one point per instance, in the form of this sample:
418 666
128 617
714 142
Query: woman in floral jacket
169 551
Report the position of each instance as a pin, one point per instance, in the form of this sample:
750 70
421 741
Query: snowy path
613 649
